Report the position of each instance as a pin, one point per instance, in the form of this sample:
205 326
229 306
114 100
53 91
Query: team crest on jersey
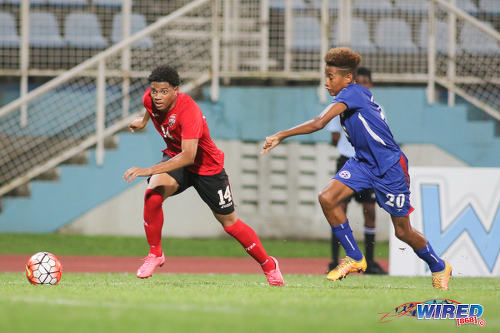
171 120
345 174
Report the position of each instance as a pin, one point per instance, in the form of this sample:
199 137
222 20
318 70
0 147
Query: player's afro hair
344 58
165 73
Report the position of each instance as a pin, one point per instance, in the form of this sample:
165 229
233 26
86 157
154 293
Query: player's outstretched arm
139 123
309 126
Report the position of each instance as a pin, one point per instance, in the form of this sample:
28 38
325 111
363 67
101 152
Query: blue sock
343 233
428 255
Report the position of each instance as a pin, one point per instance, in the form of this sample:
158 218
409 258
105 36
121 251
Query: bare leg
407 234
332 198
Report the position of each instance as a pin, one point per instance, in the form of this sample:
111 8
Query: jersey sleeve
146 100
191 121
350 96
334 125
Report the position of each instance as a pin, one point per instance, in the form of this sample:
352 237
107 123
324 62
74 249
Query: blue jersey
364 125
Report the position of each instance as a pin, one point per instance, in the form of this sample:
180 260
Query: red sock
250 241
153 220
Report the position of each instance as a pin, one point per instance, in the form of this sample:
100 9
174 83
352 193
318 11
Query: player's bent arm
184 158
139 123
309 126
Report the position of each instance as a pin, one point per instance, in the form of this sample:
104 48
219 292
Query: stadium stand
472 40
441 36
489 7
8 31
83 30
32 2
108 3
67 3
394 35
373 7
412 7
468 6
306 33
360 36
44 30
138 22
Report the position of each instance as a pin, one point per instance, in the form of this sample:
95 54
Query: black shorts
363 196
213 189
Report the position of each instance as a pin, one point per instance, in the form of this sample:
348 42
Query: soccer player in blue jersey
378 163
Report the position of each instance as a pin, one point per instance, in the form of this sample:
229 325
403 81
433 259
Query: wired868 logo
438 309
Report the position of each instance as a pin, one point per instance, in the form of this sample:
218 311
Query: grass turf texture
62 244
231 303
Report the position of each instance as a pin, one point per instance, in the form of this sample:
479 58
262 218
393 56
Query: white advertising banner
458 211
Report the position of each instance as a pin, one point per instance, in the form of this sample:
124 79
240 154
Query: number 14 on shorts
225 196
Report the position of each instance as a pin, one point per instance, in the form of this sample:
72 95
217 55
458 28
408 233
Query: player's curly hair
344 59
165 73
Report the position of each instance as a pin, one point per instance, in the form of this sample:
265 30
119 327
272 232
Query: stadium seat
412 6
360 36
394 35
306 33
467 5
303 5
370 6
473 40
441 36
8 31
138 22
490 7
32 2
67 3
44 30
108 3
83 30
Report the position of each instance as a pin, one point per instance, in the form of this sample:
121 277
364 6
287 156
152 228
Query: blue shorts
391 189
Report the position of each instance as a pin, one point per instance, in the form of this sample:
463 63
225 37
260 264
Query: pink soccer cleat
150 263
274 277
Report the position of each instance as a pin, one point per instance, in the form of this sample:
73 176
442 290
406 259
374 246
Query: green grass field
219 303
61 244
231 303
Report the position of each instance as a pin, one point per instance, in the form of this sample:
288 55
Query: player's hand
135 172
271 142
136 124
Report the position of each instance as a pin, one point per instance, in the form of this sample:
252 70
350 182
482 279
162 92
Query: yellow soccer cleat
440 279
348 265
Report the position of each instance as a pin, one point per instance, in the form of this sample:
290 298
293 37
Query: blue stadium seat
360 36
394 35
137 23
467 5
32 2
44 30
441 36
67 3
473 40
108 3
302 5
491 7
8 31
412 6
370 6
306 32
83 30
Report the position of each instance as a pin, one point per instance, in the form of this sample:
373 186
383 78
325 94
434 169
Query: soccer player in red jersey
191 158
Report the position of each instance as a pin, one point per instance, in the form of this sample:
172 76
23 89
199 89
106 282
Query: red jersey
185 121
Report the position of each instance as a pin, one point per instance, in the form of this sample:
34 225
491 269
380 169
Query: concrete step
79 159
20 191
50 175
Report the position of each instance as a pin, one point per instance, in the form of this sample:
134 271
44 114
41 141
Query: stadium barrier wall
458 211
